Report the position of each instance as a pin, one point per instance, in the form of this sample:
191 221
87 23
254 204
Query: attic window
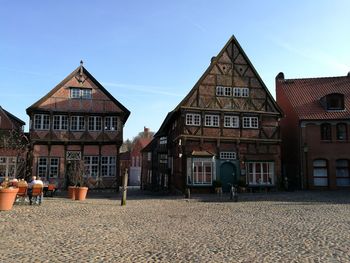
333 102
78 93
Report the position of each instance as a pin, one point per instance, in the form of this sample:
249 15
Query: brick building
226 128
136 157
12 151
77 120
316 146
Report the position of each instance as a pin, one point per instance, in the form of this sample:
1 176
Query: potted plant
217 184
78 190
7 195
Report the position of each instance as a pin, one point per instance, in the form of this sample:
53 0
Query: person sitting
35 181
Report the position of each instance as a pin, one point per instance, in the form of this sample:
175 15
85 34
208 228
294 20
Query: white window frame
60 122
228 155
320 172
240 92
198 172
261 177
54 164
219 91
78 123
231 121
223 91
108 166
111 123
212 120
95 123
163 140
91 164
41 122
48 167
8 165
193 119
81 93
250 122
42 167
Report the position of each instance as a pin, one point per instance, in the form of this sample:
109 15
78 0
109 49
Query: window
341 131
228 155
250 122
163 158
212 120
48 167
326 133
202 172
77 123
193 119
223 91
110 123
78 93
95 123
163 140
108 165
219 91
53 167
320 173
231 121
335 101
149 156
240 92
261 173
60 122
42 167
91 166
342 173
7 166
41 122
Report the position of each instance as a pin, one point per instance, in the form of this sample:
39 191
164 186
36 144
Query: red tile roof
305 94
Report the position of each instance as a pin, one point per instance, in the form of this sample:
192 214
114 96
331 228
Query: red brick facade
315 150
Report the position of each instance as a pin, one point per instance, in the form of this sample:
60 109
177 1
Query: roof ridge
315 78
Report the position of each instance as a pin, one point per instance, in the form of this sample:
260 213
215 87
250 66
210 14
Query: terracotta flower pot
71 192
80 193
7 198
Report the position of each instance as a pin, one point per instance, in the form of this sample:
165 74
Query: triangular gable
9 121
86 77
232 61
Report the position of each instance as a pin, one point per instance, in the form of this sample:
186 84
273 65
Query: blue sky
149 54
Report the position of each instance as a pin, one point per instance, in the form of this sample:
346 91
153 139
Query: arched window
320 172
326 131
342 172
341 131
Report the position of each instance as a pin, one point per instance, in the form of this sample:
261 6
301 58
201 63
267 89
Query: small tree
76 173
16 142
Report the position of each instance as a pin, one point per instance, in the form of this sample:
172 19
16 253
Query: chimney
212 60
145 131
349 74
280 76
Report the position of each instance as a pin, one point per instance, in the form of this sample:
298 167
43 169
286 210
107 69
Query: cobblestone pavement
272 227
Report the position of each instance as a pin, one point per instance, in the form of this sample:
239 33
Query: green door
227 176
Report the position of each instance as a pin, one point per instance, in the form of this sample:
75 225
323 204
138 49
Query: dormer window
333 102
78 93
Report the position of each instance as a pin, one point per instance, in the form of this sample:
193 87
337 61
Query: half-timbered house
77 120
226 128
13 144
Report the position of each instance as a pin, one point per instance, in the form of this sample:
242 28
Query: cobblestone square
261 227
